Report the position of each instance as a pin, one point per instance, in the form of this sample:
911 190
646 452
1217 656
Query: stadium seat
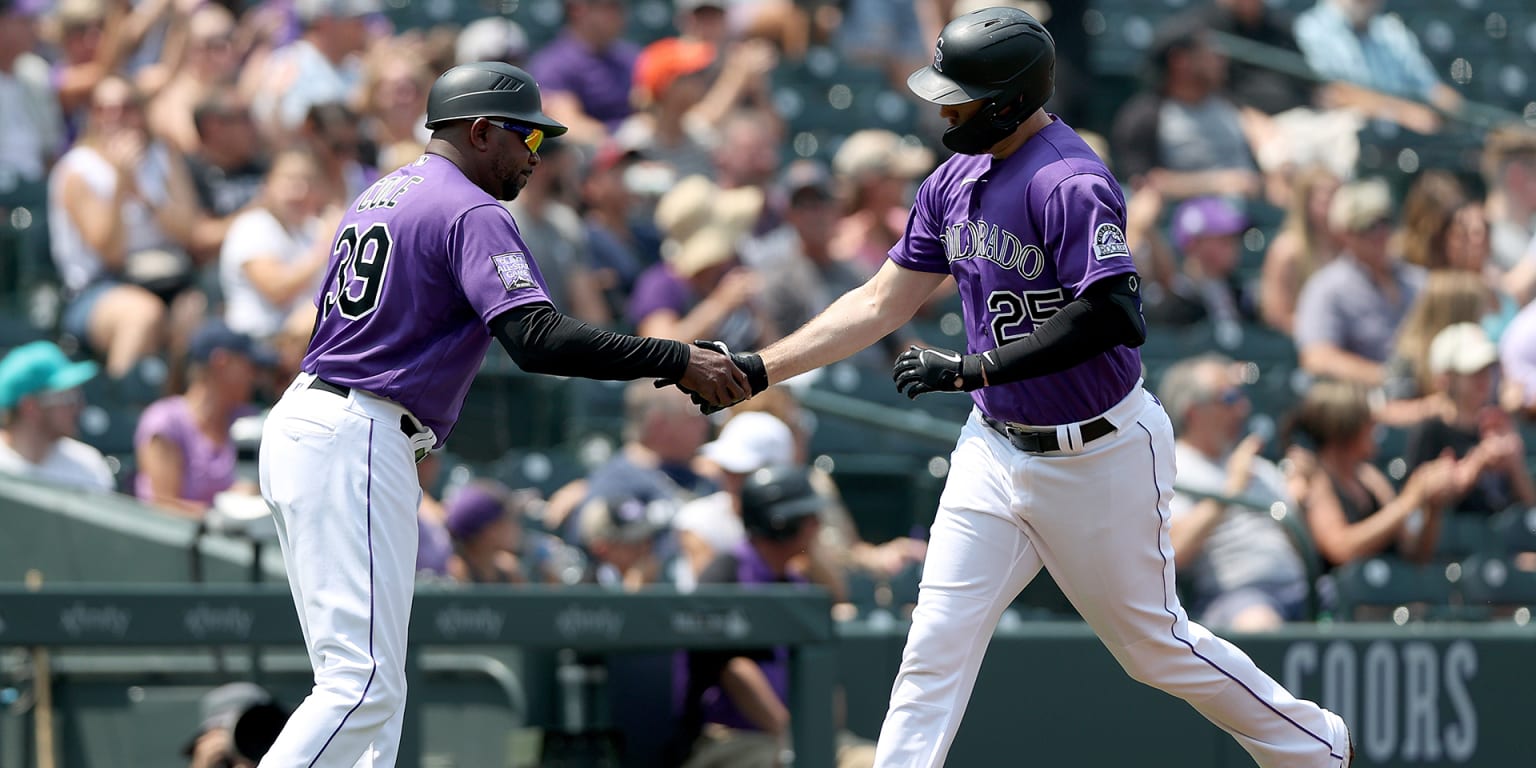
1498 585
1463 535
1513 531
1376 588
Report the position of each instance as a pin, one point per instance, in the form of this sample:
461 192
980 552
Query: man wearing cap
321 67
34 128
185 454
1463 365
484 518
734 701
237 724
712 525
1207 232
1349 311
40 402
675 108
586 71
878 169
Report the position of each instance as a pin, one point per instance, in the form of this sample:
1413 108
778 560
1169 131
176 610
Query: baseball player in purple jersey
1066 461
426 267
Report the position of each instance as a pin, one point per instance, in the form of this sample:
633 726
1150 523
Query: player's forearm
541 340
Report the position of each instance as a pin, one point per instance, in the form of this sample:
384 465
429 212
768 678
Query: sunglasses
533 137
1229 396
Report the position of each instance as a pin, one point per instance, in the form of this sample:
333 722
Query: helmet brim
550 126
934 86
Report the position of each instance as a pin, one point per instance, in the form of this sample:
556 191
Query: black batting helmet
488 89
1001 55
775 500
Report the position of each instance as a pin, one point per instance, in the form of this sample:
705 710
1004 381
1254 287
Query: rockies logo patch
513 270
1109 241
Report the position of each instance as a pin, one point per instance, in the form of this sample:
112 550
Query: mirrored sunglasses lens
534 140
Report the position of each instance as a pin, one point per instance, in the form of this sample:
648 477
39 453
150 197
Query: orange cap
665 60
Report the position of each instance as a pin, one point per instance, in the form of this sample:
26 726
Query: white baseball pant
1097 517
340 477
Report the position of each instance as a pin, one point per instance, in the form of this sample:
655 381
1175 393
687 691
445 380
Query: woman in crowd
1304 243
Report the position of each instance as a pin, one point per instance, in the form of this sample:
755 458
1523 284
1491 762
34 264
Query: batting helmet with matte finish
776 499
1001 55
488 89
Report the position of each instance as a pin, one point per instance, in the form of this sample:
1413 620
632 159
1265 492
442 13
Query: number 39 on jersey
362 261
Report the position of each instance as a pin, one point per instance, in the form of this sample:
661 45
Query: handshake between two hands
720 378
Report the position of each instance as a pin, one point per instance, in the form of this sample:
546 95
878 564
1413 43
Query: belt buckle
1026 439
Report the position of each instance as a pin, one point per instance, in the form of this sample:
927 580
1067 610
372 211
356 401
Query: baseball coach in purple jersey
426 267
1066 462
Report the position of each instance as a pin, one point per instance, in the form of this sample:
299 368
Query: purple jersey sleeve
921 247
1084 224
492 264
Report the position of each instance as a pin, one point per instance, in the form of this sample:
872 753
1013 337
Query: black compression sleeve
1107 315
542 340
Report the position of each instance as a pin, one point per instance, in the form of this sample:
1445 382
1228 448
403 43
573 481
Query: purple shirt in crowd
207 468
1023 236
422 261
601 80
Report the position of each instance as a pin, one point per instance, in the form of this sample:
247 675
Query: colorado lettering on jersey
386 192
973 239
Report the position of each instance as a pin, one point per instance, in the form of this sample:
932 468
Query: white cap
310 10
1461 348
751 441
874 151
492 38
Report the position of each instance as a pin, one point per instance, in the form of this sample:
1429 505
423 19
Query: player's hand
919 371
714 378
750 364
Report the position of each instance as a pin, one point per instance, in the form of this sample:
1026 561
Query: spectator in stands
185 454
662 434
553 229
1428 210
1254 21
885 35
1517 362
1349 311
259 717
1509 173
119 212
276 252
434 544
1352 510
34 130
1355 41
681 95
621 240
699 290
208 67
1304 244
89 50
735 703
1244 572
40 402
711 525
748 156
321 67
619 532
492 38
585 73
703 20
486 521
394 103
1208 233
1184 136
333 134
878 170
230 162
1471 426
1449 297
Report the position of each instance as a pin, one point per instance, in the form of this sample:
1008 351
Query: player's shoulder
1067 157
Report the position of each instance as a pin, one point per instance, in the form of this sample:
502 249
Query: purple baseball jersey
422 261
1023 236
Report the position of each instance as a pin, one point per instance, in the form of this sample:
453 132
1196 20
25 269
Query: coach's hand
920 371
713 379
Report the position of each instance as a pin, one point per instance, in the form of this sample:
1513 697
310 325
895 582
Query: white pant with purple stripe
1097 517
341 478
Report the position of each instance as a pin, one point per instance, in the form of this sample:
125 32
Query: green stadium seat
1375 589
1463 535
1499 585
1513 531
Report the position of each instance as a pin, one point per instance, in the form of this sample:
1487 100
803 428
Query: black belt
342 390
1044 441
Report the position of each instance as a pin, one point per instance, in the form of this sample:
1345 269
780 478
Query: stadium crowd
188 160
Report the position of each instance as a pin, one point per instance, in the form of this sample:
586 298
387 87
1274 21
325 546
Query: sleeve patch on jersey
513 270
1109 241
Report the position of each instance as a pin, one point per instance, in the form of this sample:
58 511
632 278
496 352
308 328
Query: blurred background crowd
1333 203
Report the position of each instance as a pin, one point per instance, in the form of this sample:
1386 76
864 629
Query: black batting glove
919 371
